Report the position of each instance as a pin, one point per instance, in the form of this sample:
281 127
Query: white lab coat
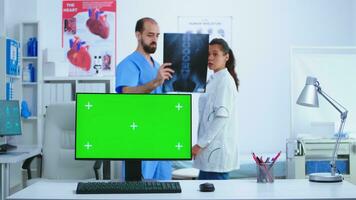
217 132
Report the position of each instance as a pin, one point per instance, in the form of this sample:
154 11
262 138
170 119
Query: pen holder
265 173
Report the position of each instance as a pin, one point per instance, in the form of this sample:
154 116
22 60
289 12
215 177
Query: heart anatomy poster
89 36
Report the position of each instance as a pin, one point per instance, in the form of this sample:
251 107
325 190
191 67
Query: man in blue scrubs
140 73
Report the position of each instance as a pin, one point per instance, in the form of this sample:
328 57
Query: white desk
19 154
185 173
231 189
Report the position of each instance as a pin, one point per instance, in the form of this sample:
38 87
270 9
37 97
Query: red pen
255 158
276 157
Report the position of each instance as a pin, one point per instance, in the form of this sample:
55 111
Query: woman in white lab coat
216 151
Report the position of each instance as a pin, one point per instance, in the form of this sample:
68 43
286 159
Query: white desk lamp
309 97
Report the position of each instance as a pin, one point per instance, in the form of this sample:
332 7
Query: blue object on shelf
9 91
32 72
12 57
29 73
29 45
343 135
315 166
25 111
32 47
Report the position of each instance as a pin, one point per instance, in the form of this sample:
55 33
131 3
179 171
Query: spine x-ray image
188 54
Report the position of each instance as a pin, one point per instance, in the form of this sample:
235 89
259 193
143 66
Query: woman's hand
196 150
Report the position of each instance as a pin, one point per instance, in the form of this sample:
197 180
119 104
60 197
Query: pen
267 160
255 158
276 157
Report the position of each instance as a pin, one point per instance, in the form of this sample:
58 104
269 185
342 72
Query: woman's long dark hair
230 64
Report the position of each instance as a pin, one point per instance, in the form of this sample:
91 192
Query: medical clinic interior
177 99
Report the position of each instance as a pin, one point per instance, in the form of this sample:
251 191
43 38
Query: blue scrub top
133 71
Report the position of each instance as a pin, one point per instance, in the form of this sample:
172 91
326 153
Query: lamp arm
341 109
336 148
343 115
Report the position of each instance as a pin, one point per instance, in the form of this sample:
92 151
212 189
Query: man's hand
196 150
164 73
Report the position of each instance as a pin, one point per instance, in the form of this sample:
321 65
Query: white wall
325 64
354 20
263 32
16 12
2 18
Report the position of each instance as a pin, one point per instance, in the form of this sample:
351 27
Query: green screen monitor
133 126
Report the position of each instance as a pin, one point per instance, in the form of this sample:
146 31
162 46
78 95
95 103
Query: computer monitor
10 121
133 127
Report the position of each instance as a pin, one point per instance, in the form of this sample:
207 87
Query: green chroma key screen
133 126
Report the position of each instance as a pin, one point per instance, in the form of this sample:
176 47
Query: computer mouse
206 187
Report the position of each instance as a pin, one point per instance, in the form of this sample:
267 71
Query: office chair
57 158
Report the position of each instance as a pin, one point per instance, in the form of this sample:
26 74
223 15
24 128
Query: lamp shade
309 96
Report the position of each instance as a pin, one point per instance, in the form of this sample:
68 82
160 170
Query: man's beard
148 49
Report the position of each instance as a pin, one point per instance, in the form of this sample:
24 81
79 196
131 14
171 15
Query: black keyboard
127 187
7 147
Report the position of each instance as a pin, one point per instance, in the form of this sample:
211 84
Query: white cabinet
31 66
12 88
16 83
63 89
59 87
314 151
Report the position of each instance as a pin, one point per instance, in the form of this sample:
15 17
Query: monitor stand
7 147
133 170
106 170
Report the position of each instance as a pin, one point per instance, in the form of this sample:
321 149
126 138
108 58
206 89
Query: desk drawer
325 149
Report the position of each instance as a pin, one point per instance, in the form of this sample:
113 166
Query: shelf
30 58
31 23
13 76
30 118
31 92
74 78
29 83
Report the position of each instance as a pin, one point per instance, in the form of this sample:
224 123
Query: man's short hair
141 22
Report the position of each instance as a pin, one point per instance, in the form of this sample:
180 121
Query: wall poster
216 27
89 36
